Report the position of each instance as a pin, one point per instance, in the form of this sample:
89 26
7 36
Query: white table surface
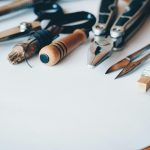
69 106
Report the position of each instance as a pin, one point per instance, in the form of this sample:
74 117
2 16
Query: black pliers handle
128 22
107 15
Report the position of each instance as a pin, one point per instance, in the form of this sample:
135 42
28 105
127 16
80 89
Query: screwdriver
56 51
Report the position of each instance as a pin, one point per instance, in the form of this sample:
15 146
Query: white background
69 106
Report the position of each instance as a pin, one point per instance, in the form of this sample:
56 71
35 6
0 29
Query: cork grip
56 51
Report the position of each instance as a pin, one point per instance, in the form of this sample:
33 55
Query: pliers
112 31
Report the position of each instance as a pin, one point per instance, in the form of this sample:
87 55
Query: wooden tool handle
56 51
16 5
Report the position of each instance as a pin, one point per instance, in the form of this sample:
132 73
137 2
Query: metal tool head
119 65
100 50
130 67
133 65
45 10
23 29
130 62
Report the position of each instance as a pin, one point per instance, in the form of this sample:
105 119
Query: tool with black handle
31 47
116 32
107 15
44 11
67 23
130 62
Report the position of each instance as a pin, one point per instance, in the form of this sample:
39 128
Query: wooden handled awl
56 51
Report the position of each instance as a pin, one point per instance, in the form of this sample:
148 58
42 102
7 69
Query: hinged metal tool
112 32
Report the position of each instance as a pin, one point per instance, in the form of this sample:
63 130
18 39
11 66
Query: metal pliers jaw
102 43
115 31
99 50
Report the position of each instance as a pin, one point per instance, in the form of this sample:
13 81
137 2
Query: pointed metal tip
119 75
108 71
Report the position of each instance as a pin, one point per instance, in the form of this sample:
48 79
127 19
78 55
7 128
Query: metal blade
127 69
133 65
138 53
22 30
119 65
124 62
100 50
